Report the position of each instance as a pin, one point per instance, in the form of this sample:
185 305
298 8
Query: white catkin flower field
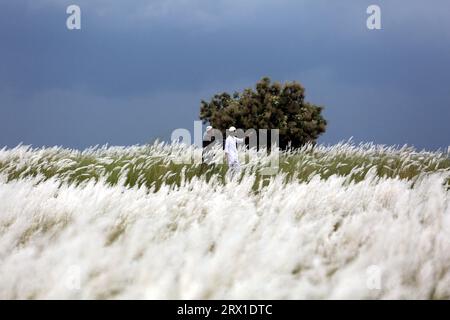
343 221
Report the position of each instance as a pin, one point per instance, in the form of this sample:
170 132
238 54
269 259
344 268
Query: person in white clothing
231 152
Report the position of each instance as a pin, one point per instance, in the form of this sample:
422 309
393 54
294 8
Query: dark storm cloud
138 69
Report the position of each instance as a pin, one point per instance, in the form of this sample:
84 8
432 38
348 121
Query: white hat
208 128
232 129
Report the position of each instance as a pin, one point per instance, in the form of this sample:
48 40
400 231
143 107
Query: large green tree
270 105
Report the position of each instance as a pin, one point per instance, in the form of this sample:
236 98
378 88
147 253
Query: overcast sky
138 69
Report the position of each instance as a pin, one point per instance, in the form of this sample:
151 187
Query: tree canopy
270 105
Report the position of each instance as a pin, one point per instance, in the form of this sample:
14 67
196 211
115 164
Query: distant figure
208 139
231 152
207 136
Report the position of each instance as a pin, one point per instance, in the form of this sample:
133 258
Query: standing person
231 152
207 135
208 139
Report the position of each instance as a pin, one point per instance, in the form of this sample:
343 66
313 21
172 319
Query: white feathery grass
68 230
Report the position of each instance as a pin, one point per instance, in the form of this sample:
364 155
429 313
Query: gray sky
138 69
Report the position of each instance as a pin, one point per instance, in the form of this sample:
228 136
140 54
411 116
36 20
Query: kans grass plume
343 221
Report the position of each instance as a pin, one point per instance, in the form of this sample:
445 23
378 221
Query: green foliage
153 166
269 106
